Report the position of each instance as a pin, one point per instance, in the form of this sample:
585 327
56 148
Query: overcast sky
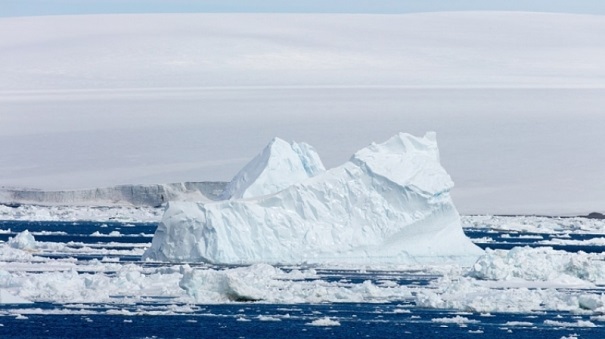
57 7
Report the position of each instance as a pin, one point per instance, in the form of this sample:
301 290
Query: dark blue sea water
293 321
259 320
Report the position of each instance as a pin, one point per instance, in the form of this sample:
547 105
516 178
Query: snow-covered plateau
389 203
106 100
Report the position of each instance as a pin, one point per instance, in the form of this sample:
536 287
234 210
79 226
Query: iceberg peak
279 165
407 161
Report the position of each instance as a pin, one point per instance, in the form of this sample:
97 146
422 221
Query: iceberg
389 203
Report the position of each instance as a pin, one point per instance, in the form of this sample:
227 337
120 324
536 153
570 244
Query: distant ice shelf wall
134 195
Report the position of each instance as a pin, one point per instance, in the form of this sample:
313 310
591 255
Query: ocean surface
96 242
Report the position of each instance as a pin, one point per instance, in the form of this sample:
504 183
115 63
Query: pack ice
389 203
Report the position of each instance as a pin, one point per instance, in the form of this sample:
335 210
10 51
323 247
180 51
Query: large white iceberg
389 203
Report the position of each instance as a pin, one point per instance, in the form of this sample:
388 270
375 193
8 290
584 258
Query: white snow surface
279 165
102 100
389 203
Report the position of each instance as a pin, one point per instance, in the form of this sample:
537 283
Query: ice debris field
80 264
90 273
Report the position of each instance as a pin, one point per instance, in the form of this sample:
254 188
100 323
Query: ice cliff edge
389 203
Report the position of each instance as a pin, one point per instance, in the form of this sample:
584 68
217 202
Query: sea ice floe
523 279
518 323
267 318
470 295
539 264
579 323
262 282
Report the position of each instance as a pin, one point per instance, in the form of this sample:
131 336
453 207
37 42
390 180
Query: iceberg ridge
389 203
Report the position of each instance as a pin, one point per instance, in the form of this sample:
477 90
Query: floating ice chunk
325 321
269 284
267 318
111 234
278 166
23 241
8 253
516 294
455 320
519 323
579 323
468 295
71 286
240 284
590 301
566 242
389 203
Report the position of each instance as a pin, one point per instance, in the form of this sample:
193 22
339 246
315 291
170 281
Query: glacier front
389 203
